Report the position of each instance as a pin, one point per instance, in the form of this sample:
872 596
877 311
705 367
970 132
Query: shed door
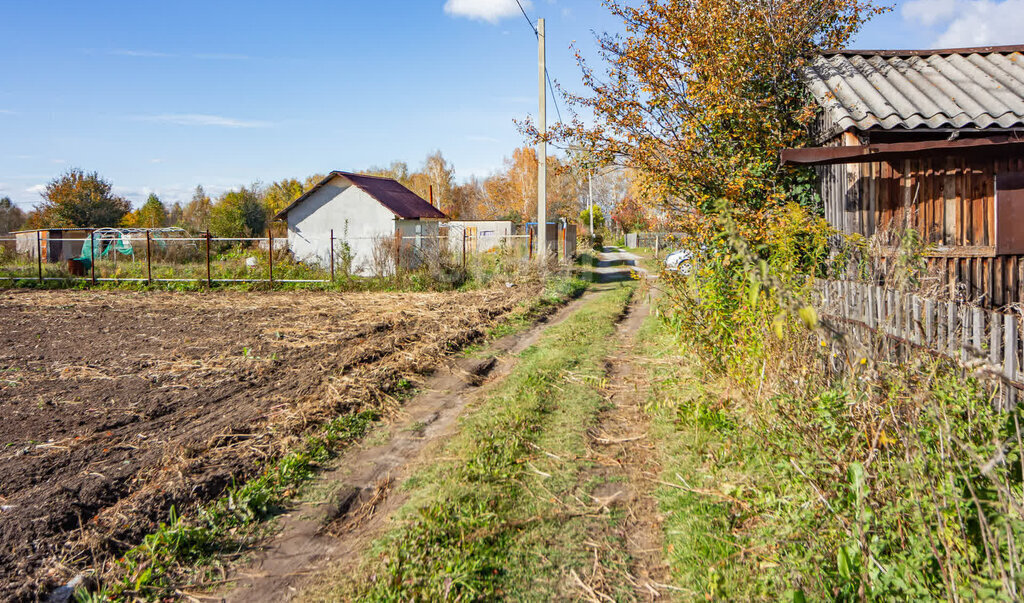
1010 213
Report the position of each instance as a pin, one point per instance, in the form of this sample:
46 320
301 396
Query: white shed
481 235
365 212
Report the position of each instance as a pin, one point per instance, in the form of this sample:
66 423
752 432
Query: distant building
56 244
367 214
480 235
931 140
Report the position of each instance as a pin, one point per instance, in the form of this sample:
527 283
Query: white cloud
199 119
142 53
928 12
964 23
38 188
485 10
220 56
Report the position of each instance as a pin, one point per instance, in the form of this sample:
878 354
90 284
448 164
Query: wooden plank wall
949 200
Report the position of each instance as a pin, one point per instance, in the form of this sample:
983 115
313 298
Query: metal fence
148 257
964 333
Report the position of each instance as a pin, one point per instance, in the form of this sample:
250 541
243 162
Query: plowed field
114 406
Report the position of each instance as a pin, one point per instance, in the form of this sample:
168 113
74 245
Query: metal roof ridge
925 51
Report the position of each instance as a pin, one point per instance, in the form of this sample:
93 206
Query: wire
547 74
551 88
535 32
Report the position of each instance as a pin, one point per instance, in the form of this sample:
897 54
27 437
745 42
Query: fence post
332 255
149 262
994 339
879 307
39 254
929 321
92 255
530 245
209 274
1010 357
270 256
977 327
463 247
951 337
890 316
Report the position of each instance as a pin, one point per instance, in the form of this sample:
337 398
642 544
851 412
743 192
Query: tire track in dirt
363 489
621 449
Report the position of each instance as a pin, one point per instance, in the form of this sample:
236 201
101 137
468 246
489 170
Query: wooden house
931 140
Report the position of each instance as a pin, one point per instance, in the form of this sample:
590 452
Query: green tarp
118 245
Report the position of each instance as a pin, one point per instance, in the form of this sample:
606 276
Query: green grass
845 489
696 448
505 514
190 549
556 292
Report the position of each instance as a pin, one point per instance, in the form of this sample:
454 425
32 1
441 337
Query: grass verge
506 512
865 488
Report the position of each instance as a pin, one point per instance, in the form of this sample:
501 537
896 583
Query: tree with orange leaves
700 95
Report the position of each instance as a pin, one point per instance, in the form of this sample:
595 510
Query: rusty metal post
270 239
530 244
92 254
209 274
149 261
332 255
463 247
39 254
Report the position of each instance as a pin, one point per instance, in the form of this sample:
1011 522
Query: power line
535 32
547 74
551 89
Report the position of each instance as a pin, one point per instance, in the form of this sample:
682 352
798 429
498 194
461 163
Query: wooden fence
964 333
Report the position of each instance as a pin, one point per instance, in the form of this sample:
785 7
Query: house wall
489 234
420 240
949 200
356 217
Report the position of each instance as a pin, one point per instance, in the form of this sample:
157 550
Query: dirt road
353 502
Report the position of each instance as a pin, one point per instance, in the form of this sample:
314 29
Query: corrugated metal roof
401 201
959 88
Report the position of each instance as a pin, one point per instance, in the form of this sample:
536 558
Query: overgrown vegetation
502 514
891 479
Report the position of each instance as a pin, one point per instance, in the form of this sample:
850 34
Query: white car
679 261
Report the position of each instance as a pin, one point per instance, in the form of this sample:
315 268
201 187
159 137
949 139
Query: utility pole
542 152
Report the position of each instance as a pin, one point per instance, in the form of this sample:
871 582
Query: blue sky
160 97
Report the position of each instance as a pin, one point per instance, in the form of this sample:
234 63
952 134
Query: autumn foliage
699 96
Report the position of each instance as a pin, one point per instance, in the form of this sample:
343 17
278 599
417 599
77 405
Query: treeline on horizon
85 199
